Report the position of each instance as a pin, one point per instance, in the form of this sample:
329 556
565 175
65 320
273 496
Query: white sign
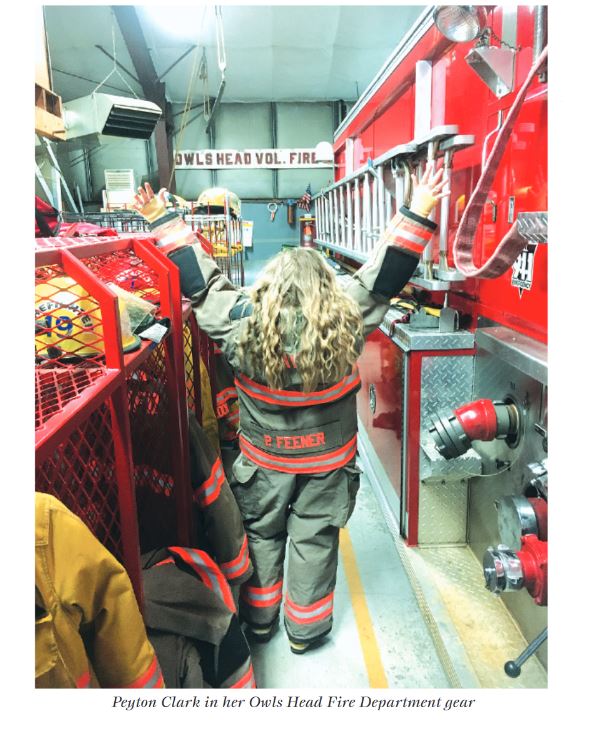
247 228
248 159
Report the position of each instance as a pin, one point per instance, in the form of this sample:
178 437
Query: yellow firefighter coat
88 628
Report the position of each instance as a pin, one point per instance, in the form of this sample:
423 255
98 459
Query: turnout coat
290 430
295 478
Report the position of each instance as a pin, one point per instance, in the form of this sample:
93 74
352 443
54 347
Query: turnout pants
303 512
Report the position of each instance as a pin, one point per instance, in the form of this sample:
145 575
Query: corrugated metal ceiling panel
274 52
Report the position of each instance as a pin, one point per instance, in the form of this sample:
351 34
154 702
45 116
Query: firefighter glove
427 191
148 204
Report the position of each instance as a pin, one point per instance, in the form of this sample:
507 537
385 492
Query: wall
268 236
236 125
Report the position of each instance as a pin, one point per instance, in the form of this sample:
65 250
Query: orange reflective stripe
209 491
169 560
208 571
308 608
408 245
262 596
245 682
83 682
260 603
408 234
226 394
239 565
306 614
298 399
266 590
417 229
411 235
300 464
150 679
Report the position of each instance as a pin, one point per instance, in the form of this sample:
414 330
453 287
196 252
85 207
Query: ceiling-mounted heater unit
88 119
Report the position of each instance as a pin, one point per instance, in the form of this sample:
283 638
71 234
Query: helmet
68 323
214 201
176 201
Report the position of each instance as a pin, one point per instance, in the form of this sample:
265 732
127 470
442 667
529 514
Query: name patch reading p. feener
311 440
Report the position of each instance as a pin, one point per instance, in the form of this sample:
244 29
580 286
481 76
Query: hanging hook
219 30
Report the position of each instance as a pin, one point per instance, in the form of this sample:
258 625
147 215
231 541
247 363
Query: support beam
154 90
118 63
94 82
173 65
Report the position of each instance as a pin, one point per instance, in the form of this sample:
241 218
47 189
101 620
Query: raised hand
431 188
148 204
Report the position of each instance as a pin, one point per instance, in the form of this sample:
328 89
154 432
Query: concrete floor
406 651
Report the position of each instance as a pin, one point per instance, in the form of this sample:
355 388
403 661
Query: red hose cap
478 419
534 560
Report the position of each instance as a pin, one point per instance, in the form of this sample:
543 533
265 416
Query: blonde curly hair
299 308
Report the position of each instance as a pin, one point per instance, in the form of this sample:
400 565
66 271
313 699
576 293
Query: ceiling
274 53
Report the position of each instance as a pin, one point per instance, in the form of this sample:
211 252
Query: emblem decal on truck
523 269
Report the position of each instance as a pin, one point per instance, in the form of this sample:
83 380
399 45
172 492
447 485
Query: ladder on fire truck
352 213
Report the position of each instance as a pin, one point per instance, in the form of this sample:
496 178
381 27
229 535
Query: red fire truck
454 398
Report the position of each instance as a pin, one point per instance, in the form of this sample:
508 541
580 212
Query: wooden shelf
49 120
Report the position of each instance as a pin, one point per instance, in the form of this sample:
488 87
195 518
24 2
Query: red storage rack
82 437
111 429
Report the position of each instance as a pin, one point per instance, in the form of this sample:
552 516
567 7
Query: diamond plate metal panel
482 621
434 467
443 506
414 340
443 512
497 378
446 381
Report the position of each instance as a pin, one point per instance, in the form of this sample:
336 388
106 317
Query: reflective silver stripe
176 235
151 683
289 610
207 489
230 569
213 575
262 597
250 681
223 395
411 237
304 398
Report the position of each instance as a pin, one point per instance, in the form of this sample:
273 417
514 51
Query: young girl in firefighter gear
293 343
